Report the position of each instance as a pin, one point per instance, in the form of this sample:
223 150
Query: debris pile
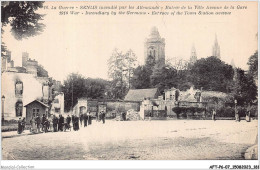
118 118
132 115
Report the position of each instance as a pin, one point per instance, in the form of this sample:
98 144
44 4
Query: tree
178 64
130 59
23 19
253 65
121 68
211 74
76 86
163 77
141 77
243 88
183 73
116 65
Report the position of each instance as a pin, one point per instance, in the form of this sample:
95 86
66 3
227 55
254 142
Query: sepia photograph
156 80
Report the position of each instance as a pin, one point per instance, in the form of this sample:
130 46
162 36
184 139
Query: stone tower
216 48
154 47
193 56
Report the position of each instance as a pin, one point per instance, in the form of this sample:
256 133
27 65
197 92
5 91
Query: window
56 101
45 92
57 110
19 108
18 88
35 112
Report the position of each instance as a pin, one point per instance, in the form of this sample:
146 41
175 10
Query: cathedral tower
216 48
154 47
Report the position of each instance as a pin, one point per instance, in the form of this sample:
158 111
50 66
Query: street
138 140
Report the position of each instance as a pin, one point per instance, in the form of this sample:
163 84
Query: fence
196 110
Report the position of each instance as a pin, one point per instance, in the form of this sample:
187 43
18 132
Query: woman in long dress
20 126
89 118
33 125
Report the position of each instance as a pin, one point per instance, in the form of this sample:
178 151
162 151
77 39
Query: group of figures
55 124
237 115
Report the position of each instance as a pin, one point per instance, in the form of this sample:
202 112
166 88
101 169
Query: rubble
132 115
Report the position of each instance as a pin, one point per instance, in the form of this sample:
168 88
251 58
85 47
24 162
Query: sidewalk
11 134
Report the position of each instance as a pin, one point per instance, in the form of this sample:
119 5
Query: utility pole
72 98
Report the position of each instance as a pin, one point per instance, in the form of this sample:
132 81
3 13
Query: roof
213 94
37 102
140 94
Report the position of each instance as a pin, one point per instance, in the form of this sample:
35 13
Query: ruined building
26 84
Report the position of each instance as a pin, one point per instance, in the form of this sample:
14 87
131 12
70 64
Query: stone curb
252 153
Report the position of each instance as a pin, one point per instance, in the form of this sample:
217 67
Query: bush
225 112
254 111
187 111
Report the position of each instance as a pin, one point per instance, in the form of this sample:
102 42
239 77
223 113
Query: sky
84 43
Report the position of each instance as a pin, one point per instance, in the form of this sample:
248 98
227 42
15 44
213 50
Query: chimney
25 57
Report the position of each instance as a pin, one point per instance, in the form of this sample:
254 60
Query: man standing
76 119
38 123
68 120
55 123
61 121
23 124
89 118
103 116
85 117
43 122
214 114
20 126
81 119
73 121
237 115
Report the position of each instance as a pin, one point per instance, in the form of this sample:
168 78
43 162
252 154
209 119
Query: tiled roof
140 94
38 102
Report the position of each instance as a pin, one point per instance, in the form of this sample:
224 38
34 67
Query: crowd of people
55 123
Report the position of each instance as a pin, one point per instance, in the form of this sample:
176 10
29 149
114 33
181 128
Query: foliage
23 19
121 69
141 77
253 65
185 111
163 77
211 74
244 88
76 86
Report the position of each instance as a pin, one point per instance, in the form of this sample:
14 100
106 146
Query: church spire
216 48
193 56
